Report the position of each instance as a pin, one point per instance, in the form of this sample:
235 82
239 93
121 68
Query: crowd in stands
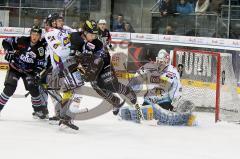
188 9
121 25
167 7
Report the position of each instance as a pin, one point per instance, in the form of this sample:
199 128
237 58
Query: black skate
117 108
54 120
40 113
67 122
131 95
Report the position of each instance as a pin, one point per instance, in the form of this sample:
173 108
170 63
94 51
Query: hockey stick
50 93
42 75
137 107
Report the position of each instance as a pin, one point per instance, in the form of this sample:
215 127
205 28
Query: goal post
209 82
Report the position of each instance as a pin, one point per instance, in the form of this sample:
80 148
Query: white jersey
58 46
161 86
69 29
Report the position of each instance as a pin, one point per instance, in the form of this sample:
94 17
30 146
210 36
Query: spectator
201 6
104 34
169 30
118 25
180 69
128 28
215 6
193 32
75 25
167 7
184 7
36 22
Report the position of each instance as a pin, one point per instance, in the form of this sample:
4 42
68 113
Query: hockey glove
9 56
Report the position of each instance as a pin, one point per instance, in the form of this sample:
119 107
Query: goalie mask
162 59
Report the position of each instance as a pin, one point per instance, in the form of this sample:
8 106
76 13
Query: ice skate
117 108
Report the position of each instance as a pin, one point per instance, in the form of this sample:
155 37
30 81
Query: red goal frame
218 76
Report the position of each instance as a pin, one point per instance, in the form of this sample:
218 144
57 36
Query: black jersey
105 37
95 47
27 57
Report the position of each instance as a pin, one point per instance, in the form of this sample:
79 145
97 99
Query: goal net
209 82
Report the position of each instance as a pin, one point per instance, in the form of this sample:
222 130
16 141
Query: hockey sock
3 100
36 102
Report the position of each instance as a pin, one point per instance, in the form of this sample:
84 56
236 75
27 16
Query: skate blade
66 129
38 118
53 122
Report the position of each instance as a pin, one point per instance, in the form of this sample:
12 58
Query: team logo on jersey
55 46
51 38
41 51
91 46
66 41
31 54
154 79
28 58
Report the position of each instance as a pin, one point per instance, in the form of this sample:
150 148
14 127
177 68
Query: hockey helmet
49 20
56 16
163 59
36 29
102 21
90 27
52 17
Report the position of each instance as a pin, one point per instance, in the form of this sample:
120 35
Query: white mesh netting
202 75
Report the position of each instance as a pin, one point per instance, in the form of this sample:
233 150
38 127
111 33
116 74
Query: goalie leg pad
147 112
166 117
130 113
125 113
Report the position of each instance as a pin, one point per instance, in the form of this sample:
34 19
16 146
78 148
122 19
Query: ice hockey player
97 66
104 34
64 67
26 57
163 96
50 23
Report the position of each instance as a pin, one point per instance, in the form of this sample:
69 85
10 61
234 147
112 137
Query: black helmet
56 16
51 17
90 27
49 20
36 29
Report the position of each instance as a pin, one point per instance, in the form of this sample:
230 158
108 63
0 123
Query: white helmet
102 21
162 59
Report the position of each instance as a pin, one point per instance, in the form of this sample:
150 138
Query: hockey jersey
58 47
105 37
95 47
27 58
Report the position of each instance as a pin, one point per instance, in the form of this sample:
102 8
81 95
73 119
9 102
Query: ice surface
107 137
